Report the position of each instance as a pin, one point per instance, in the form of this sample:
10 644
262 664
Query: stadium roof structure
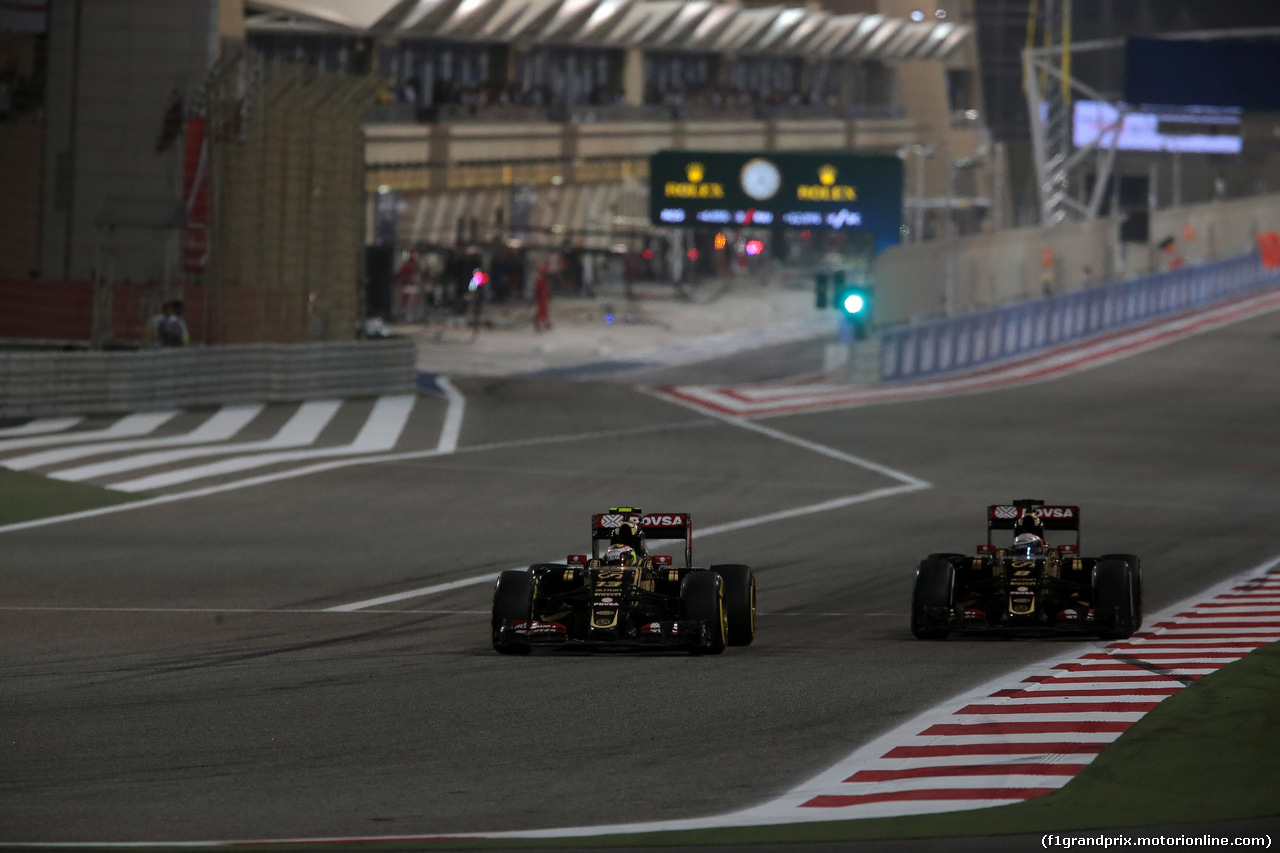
701 26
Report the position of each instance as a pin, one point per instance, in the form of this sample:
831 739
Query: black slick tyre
931 599
512 602
1135 578
702 601
739 601
1114 606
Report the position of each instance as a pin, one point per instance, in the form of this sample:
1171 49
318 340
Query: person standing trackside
172 329
156 323
542 295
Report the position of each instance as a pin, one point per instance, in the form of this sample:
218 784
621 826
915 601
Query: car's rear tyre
739 602
512 602
702 601
931 598
1135 572
1114 601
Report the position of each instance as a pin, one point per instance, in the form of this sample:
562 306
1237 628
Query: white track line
139 423
38 426
379 434
826 506
452 417
909 484
307 470
302 429
779 435
221 426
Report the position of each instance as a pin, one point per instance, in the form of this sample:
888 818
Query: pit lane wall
43 383
959 343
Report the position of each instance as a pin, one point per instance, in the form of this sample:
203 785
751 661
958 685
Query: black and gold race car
1031 585
624 595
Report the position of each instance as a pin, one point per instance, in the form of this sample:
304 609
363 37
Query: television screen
1190 130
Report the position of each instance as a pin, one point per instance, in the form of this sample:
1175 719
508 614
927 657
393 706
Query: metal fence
959 343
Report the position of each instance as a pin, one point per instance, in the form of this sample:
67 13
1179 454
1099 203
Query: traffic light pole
854 360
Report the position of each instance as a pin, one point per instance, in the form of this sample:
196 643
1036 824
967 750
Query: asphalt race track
173 673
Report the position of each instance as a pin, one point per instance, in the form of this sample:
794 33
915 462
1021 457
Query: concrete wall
961 276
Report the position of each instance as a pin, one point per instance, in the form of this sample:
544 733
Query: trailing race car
624 595
1031 585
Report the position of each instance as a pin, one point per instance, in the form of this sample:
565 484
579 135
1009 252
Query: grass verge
24 497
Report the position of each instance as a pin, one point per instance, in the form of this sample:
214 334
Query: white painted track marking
307 470
140 423
379 434
302 429
909 484
779 435
452 417
221 426
38 426
825 506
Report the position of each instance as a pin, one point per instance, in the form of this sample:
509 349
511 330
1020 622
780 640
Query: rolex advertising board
832 191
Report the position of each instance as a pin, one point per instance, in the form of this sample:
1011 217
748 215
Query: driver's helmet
620 555
1027 545
1029 523
627 533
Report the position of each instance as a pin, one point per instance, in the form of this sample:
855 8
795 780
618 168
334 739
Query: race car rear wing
654 525
1005 516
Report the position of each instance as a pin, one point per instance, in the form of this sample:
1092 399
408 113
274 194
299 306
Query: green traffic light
854 303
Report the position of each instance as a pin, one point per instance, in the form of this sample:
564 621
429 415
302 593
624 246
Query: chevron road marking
39 425
224 423
379 434
302 429
335 464
140 423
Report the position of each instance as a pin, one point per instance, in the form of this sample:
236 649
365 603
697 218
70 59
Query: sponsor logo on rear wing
1005 516
656 525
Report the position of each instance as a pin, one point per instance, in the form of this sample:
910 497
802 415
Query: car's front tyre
702 602
512 602
739 601
1114 600
931 599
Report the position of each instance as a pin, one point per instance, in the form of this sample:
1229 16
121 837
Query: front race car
586 601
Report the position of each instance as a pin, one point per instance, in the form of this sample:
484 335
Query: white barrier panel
42 383
914 352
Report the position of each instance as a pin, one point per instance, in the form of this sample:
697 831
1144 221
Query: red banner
195 196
